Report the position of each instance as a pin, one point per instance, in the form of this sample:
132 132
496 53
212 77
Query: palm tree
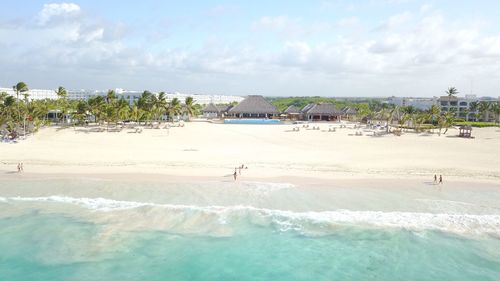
62 95
420 119
466 111
97 106
136 112
473 106
110 97
174 108
484 109
434 112
123 109
111 110
145 103
496 110
20 87
162 103
410 113
448 120
189 102
81 111
452 91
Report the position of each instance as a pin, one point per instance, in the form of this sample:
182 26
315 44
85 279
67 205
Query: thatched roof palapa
216 108
224 107
349 111
210 108
254 105
292 109
321 109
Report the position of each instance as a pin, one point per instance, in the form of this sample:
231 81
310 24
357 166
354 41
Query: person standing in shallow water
435 179
440 179
235 175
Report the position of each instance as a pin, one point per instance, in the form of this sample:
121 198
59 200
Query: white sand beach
202 149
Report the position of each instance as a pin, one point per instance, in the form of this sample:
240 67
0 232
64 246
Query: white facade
132 96
461 105
418 103
33 94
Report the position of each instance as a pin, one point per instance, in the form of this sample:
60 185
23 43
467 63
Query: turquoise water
51 247
63 237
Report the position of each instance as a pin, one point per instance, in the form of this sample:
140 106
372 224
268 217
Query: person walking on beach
235 175
435 179
440 179
19 167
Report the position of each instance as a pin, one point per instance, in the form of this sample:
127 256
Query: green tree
452 92
81 111
484 109
174 108
162 103
473 107
448 120
62 95
434 111
496 111
97 106
190 110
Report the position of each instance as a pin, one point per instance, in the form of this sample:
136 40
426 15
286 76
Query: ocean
111 230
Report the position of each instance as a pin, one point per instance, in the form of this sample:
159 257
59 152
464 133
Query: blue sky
274 48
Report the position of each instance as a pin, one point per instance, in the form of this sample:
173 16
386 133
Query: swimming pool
252 121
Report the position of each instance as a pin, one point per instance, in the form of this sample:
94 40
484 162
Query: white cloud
395 21
412 49
55 10
425 8
346 22
278 23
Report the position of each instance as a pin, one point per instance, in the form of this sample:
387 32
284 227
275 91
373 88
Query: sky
273 48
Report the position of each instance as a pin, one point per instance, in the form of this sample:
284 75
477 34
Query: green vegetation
24 116
452 92
363 107
479 124
283 103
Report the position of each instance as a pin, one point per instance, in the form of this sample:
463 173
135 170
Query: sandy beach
202 149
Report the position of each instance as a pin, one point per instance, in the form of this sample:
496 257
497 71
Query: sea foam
312 223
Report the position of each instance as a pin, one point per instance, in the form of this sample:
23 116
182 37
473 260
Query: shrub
479 124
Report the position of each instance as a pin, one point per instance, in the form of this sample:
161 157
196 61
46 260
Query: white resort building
130 96
463 106
418 103
33 94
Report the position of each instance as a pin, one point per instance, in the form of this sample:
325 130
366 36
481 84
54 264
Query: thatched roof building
210 108
349 111
254 107
213 111
321 112
292 109
293 112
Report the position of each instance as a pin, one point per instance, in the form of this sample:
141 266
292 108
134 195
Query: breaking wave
309 223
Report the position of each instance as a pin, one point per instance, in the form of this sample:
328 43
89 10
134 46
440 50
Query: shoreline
304 181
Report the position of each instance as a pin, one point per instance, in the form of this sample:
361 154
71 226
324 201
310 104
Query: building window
444 103
453 103
463 103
